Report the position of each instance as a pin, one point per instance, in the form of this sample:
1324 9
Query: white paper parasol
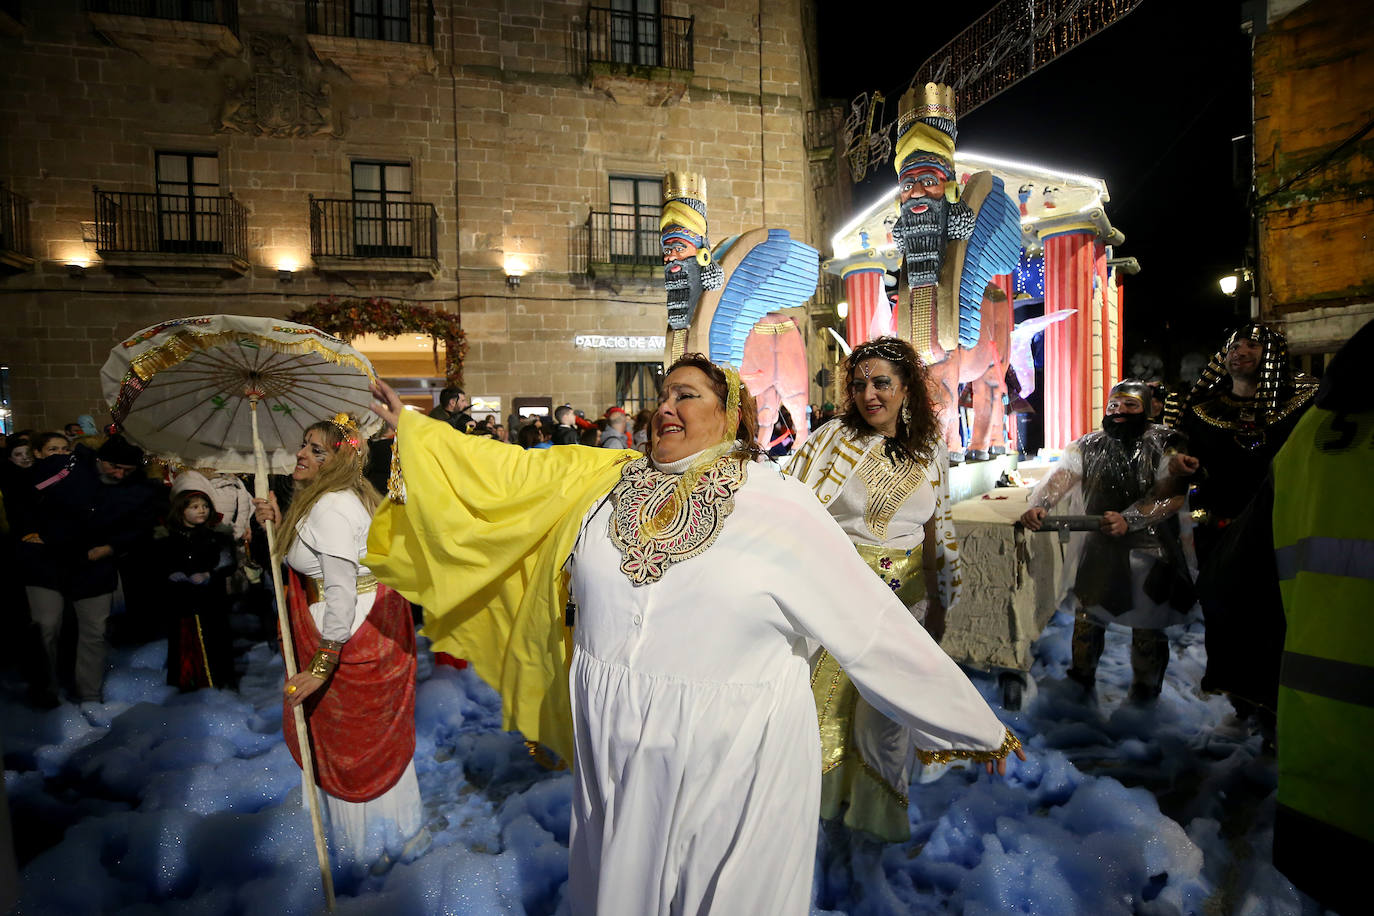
179 388
227 392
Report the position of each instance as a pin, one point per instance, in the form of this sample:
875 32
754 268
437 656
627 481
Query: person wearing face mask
355 649
882 473
651 620
1131 572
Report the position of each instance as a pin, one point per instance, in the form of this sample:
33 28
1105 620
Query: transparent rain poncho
1139 578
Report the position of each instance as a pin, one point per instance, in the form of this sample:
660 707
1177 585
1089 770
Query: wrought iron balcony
143 231
15 248
620 244
209 12
374 236
632 39
828 294
402 21
822 129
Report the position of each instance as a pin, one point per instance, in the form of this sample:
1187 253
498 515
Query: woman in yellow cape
700 587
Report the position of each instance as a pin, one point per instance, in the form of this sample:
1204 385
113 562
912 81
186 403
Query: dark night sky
1150 105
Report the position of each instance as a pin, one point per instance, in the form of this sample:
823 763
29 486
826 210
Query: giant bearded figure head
931 214
687 266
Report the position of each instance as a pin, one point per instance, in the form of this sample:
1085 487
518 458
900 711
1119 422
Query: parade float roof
1057 201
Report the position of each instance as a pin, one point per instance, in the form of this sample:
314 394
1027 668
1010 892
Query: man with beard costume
953 240
1132 572
688 270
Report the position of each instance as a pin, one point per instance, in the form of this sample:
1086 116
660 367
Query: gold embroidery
887 487
314 588
1009 744
834 719
642 494
1206 415
204 656
877 777
900 570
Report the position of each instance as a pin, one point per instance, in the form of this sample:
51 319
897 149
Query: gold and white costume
884 508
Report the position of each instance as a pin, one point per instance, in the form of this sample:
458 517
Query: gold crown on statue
934 100
684 185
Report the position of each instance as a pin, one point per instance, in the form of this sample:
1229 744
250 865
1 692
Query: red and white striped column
869 310
1071 259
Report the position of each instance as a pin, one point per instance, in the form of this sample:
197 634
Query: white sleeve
243 512
340 596
837 600
336 527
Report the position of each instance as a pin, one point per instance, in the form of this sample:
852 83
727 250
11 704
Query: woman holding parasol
354 644
697 584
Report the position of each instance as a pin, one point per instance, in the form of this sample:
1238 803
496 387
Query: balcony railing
625 243
14 223
404 21
211 12
372 229
822 127
138 222
827 294
638 39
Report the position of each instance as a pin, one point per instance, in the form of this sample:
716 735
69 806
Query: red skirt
362 724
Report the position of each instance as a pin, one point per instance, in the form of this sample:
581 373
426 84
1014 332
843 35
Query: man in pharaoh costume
688 270
1237 417
1132 572
952 243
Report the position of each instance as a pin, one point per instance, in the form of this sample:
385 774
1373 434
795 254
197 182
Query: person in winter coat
86 511
228 497
193 557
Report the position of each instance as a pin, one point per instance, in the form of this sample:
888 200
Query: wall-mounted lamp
286 270
842 309
76 267
515 269
1231 282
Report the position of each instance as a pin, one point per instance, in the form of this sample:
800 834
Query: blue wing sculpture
994 248
775 273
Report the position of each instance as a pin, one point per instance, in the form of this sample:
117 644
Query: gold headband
347 427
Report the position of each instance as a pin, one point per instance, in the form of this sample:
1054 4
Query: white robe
697 783
335 530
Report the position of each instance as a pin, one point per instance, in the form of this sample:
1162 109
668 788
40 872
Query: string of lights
1004 46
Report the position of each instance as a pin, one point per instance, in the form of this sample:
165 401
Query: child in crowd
194 558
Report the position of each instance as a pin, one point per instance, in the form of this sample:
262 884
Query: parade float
1067 283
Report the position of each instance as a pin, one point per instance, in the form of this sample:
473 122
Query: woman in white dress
355 650
882 473
698 584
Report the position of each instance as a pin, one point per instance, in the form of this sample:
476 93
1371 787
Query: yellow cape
480 543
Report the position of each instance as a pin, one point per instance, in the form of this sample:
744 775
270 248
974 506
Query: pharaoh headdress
1277 384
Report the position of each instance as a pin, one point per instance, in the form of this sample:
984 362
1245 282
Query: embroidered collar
643 490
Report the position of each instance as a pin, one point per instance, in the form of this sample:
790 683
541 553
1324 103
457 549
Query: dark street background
1150 105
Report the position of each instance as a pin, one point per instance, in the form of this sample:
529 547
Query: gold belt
900 570
314 588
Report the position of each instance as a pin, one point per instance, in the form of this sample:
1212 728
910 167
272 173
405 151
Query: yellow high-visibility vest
1324 545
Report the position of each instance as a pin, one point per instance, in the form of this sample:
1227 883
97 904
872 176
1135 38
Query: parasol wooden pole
289 656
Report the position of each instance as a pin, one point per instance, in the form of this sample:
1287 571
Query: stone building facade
160 167
1314 171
